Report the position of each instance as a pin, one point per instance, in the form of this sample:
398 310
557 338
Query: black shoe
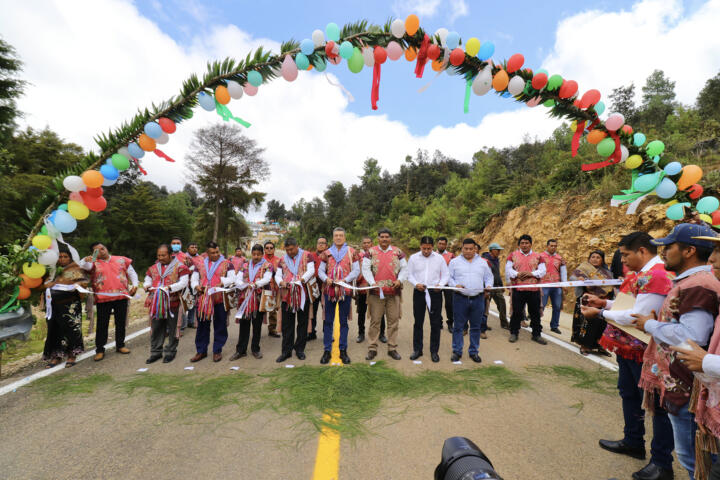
434 357
153 358
556 330
513 338
505 327
360 338
476 358
394 355
169 358
539 339
312 336
371 354
257 355
488 328
383 339
237 356
415 355
653 472
274 335
191 325
300 355
325 359
344 357
283 357
455 357
623 449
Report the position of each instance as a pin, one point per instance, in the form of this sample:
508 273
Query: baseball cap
688 233
495 246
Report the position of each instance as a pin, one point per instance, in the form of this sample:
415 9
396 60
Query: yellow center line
327 459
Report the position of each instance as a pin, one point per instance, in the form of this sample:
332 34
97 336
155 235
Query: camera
463 460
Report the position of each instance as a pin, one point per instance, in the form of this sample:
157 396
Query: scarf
160 301
251 302
206 306
339 254
296 293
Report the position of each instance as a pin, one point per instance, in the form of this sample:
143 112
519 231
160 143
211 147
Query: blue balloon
453 40
346 50
673 168
51 218
153 130
645 183
486 50
31 247
135 150
307 46
332 32
302 61
677 211
109 172
638 139
108 161
254 78
599 108
206 101
64 221
666 189
707 205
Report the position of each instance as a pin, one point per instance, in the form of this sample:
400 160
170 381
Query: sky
91 64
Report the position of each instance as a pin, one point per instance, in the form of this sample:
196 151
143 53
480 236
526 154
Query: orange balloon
595 136
24 293
500 81
437 65
28 282
410 54
146 143
691 174
412 23
222 95
92 178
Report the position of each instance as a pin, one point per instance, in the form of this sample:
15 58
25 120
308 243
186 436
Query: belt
468 296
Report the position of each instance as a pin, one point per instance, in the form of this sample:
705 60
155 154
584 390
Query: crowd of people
675 374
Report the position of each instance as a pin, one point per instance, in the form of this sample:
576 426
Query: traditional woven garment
552 266
249 300
293 269
110 276
211 274
525 263
338 265
385 267
160 303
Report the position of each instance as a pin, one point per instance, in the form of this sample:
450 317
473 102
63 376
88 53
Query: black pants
448 294
255 320
315 306
289 340
119 309
419 309
531 298
362 308
715 471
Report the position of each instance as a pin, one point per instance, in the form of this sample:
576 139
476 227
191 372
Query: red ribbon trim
162 154
375 91
579 130
422 56
612 159
142 170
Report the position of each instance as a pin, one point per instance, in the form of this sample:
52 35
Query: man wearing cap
493 258
688 313
556 271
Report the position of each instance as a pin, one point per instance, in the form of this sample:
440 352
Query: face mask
176 248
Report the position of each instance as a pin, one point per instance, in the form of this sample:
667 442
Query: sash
296 290
210 271
338 255
160 301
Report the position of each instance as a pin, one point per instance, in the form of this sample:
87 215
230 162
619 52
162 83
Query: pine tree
658 99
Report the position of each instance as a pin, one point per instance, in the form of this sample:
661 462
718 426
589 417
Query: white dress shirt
539 272
174 287
241 284
131 273
431 271
367 269
645 303
305 277
474 275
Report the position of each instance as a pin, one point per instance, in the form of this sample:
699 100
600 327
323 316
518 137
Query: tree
708 100
658 99
276 211
623 101
11 88
225 165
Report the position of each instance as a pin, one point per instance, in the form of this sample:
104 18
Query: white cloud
451 10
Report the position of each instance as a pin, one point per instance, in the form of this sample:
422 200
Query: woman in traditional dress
63 305
587 332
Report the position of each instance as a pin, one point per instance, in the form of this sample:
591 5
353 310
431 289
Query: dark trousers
531 298
255 320
289 320
329 322
467 310
362 308
315 307
419 309
497 296
163 328
119 309
448 294
662 444
715 471
219 325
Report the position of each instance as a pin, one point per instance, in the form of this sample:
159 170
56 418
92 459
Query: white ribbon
244 306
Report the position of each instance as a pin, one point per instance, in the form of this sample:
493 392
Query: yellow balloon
472 46
633 161
41 242
78 210
705 218
671 202
33 270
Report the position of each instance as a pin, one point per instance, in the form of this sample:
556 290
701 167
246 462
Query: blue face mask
176 248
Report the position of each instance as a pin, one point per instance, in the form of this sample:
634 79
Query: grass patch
56 389
599 381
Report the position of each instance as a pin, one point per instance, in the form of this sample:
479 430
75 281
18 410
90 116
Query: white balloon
318 38
109 183
516 85
483 82
397 28
234 89
623 153
48 257
163 139
125 152
73 183
442 32
368 56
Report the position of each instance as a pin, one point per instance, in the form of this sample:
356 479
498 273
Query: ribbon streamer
226 114
579 130
344 90
162 154
466 105
142 170
375 91
422 57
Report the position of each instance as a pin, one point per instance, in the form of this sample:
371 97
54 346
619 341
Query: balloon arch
364 45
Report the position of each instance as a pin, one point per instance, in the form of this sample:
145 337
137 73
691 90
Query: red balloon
627 129
515 63
94 192
695 191
167 125
591 97
577 103
457 57
380 55
539 81
96 204
715 217
433 52
568 88
329 46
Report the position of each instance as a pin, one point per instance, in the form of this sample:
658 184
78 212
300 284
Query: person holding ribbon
442 244
361 296
587 332
114 282
294 270
251 280
320 246
182 257
163 282
525 268
273 259
214 274
193 261
63 307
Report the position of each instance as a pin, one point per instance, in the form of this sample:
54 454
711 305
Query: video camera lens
463 460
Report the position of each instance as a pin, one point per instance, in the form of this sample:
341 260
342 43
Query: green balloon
606 147
120 162
554 82
645 183
656 147
549 103
355 62
43 230
63 207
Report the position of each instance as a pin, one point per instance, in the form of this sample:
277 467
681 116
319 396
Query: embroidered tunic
526 263
385 267
338 271
111 276
553 264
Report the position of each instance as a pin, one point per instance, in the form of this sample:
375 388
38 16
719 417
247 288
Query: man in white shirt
471 274
427 269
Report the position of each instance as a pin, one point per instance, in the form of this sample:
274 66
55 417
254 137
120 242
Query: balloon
486 50
666 189
638 139
92 178
595 136
120 162
254 78
624 153
677 211
690 174
331 49
153 129
568 89
23 293
301 61
318 38
394 50
63 207
41 242
515 62
442 33
355 62
78 210
207 102
73 183
534 102
554 82
695 191
135 151
457 57
124 150
28 282
707 205
381 55
437 65
452 40
234 89
715 218
472 46
633 161
606 147
500 81
627 129
433 52
109 172
252 90
164 138
93 192
307 46
549 103
483 82
221 95
320 64
397 28
539 80
288 69
599 108
673 168
346 50
33 270
591 97
332 32
410 54
368 57
64 222
645 183
95 204
614 121
147 143
48 257
412 23
656 147
335 59
516 85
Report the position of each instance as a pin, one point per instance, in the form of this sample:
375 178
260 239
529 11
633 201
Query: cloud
453 9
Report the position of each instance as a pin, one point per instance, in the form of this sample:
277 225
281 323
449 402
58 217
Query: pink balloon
394 50
335 60
533 102
75 197
250 89
289 70
614 122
